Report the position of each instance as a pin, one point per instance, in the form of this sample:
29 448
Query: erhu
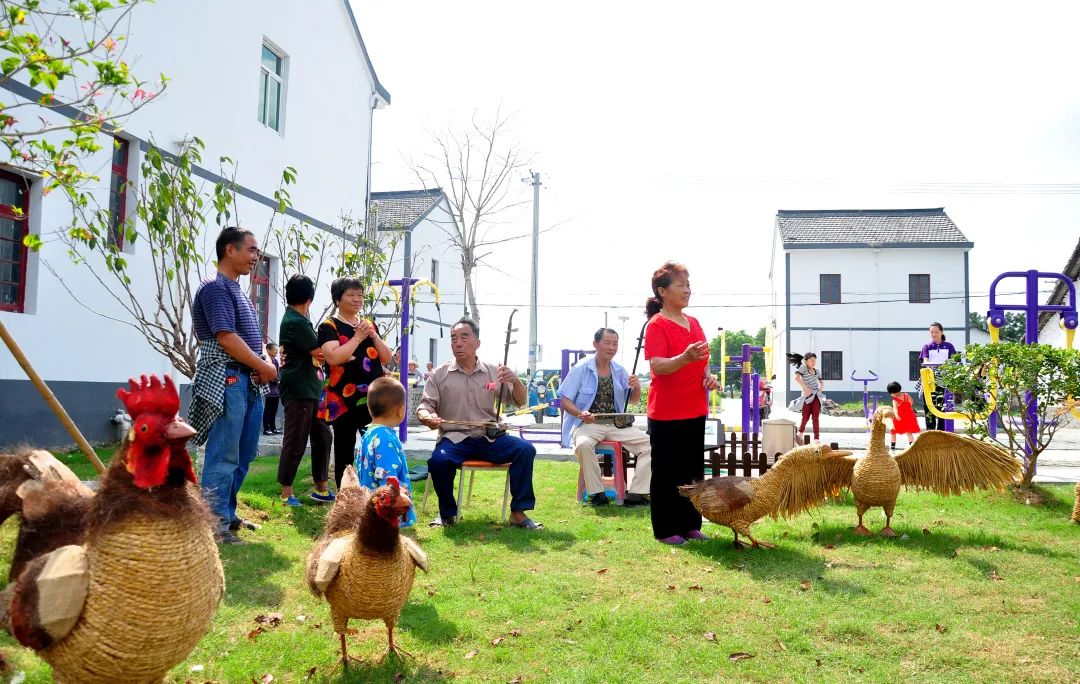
626 419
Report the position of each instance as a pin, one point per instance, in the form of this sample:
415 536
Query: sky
677 130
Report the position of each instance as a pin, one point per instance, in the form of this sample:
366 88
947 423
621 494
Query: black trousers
932 421
300 424
270 414
677 459
346 428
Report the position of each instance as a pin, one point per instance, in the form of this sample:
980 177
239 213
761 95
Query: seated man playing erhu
459 402
594 389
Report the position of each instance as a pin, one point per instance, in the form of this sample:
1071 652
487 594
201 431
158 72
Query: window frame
435 272
915 363
256 280
914 292
24 255
823 291
825 366
264 74
433 352
117 234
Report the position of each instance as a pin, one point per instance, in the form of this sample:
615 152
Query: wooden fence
742 457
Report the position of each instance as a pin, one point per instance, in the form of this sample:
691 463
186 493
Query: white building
1050 330
423 221
861 287
269 83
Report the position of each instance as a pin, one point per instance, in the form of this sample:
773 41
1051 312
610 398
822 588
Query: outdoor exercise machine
995 319
751 399
867 412
404 298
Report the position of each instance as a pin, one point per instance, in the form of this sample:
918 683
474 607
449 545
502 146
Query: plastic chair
618 470
471 467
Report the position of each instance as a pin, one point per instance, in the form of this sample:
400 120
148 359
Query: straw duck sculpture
941 462
120 585
362 564
799 480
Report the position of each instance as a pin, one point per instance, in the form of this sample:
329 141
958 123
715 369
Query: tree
1015 329
83 72
350 251
735 339
1015 369
477 170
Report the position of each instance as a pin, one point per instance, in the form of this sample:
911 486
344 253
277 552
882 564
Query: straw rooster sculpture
116 586
938 461
801 479
361 563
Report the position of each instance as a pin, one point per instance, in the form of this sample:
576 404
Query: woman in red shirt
678 356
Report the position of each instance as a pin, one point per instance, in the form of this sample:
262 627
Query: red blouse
679 395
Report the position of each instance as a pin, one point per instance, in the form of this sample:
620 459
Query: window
832 365
435 272
14 221
271 84
433 351
118 192
918 288
260 294
914 364
830 288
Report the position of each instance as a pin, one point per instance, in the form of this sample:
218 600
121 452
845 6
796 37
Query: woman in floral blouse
356 354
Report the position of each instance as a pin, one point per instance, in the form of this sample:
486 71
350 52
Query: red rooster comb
393 484
151 395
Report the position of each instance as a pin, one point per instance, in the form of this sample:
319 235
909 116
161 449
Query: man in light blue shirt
598 385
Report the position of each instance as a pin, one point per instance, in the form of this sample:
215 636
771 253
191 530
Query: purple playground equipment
751 398
1031 309
406 291
867 411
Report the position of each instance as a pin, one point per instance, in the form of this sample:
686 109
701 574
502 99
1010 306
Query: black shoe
237 525
228 538
632 499
268 432
443 522
599 499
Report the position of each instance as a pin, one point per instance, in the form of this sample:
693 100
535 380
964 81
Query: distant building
1050 331
425 251
861 287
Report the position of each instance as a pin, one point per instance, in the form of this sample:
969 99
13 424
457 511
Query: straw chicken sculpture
1076 505
361 563
801 479
129 585
938 461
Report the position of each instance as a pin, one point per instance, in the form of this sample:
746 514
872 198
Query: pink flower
492 386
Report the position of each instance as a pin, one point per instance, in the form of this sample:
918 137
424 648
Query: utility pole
605 319
535 182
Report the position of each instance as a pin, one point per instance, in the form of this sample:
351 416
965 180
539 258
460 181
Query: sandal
528 524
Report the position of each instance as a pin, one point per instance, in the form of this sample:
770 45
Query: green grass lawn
980 588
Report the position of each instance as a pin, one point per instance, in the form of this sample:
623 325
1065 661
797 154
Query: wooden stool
471 467
617 470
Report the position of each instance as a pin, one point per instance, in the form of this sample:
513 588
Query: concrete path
1059 463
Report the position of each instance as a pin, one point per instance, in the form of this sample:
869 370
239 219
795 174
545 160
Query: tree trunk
470 291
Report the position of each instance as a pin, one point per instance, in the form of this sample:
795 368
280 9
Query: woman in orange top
678 356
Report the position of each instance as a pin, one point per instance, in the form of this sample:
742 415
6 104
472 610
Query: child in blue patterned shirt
380 454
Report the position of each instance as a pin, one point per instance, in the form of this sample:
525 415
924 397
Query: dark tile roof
868 227
1071 270
404 208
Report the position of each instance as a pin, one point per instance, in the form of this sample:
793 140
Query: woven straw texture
951 464
154 585
875 479
370 586
800 480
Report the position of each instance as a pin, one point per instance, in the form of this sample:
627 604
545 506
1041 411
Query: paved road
1060 463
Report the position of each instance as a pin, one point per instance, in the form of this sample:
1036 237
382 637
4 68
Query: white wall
867 275
211 51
